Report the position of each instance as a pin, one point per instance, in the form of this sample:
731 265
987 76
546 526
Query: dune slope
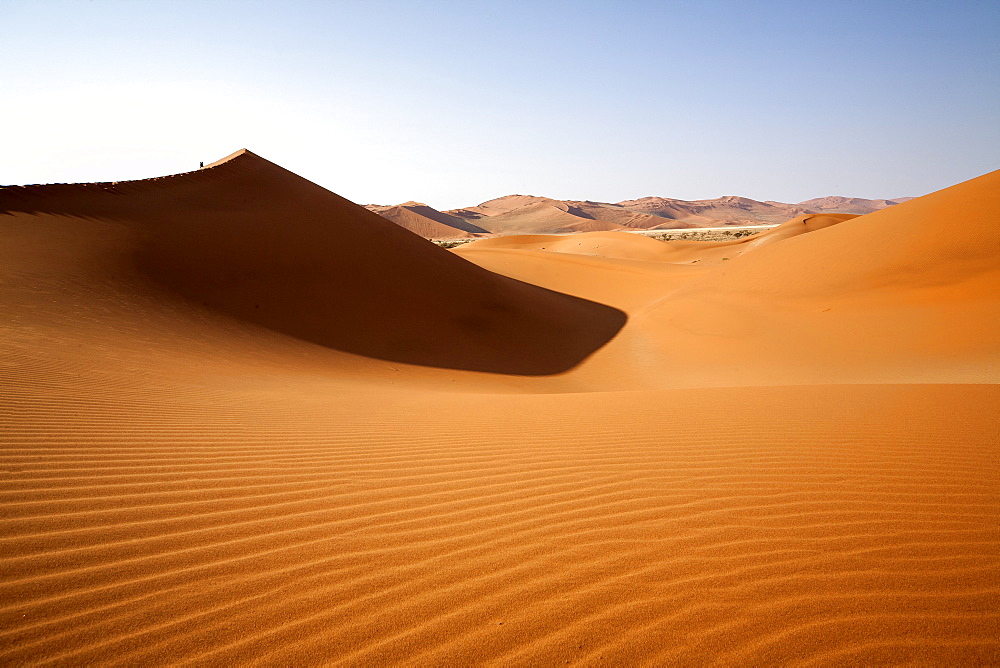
427 221
910 293
257 242
746 474
543 218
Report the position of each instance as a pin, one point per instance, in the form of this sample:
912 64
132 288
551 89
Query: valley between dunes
246 421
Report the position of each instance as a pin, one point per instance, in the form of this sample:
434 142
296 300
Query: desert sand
246 421
427 221
838 204
528 214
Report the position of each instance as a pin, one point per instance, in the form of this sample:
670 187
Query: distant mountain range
527 214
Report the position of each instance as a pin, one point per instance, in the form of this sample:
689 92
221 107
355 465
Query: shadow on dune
252 240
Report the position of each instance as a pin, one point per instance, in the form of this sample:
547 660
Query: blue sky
453 103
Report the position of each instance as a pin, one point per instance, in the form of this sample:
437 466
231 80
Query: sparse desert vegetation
689 234
710 234
451 243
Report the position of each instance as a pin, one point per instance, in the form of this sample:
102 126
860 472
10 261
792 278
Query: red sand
246 421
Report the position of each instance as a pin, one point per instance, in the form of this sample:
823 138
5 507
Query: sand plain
246 421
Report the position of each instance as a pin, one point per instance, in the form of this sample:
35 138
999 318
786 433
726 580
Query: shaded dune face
254 241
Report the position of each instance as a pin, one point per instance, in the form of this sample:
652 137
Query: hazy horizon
455 103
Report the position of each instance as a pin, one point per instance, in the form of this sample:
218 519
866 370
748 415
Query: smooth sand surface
427 221
545 218
245 421
857 205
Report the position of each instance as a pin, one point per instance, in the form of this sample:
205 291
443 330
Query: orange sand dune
256 242
599 244
636 247
630 271
246 422
906 293
821 299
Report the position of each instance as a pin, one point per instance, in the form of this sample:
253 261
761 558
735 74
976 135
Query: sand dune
427 221
619 215
727 210
630 271
528 214
256 242
819 299
535 215
635 247
545 218
501 205
248 422
857 205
